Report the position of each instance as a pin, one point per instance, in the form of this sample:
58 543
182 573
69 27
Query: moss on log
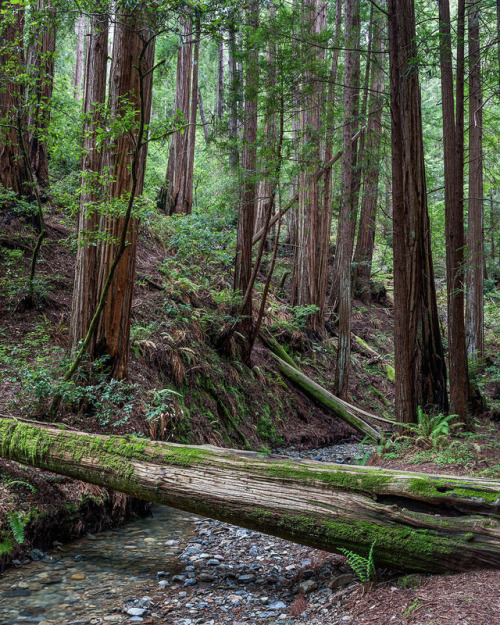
419 522
326 399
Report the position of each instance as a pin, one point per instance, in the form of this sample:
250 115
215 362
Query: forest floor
181 389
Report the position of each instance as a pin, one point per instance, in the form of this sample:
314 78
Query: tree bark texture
79 56
419 358
13 171
313 221
203 117
365 242
246 219
219 100
40 64
268 153
176 180
234 92
454 223
113 332
341 298
475 232
191 131
85 290
417 521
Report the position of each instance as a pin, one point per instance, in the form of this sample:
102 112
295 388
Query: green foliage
430 430
17 525
363 567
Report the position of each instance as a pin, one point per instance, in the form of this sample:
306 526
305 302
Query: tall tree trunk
419 358
341 291
192 128
234 91
40 64
13 171
85 291
79 56
219 102
173 197
243 261
365 243
455 239
310 277
268 153
203 117
475 234
114 324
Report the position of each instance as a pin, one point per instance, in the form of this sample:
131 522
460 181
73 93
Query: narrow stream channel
84 579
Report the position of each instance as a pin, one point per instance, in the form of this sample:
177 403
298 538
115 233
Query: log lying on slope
417 521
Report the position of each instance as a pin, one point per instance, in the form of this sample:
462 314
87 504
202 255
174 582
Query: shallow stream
83 580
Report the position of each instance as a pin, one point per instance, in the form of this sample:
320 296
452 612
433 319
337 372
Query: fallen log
334 404
418 522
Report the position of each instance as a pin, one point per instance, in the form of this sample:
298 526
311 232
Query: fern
17 525
363 567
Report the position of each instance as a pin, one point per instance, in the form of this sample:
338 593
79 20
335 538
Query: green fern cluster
363 567
17 525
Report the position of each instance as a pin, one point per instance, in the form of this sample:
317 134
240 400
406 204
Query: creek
83 580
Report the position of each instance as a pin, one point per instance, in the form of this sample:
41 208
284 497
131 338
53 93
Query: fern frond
17 526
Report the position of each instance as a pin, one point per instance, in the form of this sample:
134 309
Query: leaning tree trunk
419 358
415 521
85 292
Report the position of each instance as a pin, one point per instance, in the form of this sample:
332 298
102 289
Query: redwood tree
419 358
40 63
313 217
341 298
454 219
243 262
365 242
475 233
174 196
85 292
132 46
13 171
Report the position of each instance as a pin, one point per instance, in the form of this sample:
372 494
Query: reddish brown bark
40 63
341 298
174 197
85 292
365 243
234 92
113 331
455 239
243 261
311 252
13 172
419 359
475 233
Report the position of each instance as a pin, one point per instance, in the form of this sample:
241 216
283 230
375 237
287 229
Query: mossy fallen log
417 522
327 399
